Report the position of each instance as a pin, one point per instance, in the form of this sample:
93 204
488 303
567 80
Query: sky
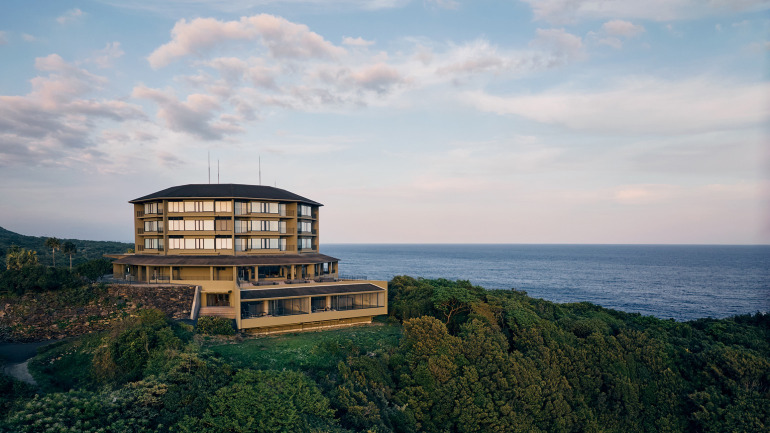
433 121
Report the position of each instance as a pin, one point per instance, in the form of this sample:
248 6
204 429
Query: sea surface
682 282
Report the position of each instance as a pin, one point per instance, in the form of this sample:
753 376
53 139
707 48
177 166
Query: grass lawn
317 350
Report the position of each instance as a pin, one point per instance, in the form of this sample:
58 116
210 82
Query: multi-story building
253 251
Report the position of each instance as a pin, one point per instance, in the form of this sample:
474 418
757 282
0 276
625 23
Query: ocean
682 282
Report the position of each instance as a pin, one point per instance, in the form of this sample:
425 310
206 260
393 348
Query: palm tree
54 244
70 249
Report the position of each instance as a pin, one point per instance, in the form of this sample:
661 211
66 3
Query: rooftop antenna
217 171
209 157
260 169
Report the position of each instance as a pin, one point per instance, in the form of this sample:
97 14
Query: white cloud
3 39
196 115
55 122
27 37
641 106
570 11
565 46
70 16
283 38
622 28
103 58
356 42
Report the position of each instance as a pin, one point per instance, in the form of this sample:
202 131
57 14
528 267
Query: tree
69 249
18 258
54 244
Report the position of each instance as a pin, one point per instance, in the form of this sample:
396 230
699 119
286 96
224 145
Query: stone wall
58 314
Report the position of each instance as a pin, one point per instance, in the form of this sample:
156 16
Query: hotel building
253 253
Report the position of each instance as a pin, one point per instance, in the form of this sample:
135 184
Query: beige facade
254 252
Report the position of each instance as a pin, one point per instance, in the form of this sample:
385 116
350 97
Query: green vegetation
453 357
209 325
84 250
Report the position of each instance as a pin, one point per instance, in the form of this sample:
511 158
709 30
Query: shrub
209 325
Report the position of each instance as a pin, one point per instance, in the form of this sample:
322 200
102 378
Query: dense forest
85 250
451 357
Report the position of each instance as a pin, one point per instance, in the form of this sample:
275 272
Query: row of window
200 243
242 244
243 226
241 208
288 307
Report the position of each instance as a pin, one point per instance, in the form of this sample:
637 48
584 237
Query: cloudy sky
530 121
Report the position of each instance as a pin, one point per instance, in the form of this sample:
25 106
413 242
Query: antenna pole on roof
217 172
208 154
260 169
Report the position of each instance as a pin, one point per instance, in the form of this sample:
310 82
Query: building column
329 302
293 272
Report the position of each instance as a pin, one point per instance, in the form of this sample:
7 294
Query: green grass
65 365
316 351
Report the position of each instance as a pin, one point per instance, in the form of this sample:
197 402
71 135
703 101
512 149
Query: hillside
451 357
87 250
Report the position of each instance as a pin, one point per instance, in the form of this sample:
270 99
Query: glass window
175 206
224 243
241 208
223 206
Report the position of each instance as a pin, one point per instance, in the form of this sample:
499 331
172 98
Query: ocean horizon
669 281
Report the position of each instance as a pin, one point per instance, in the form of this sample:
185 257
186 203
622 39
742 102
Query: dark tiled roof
309 291
225 190
244 260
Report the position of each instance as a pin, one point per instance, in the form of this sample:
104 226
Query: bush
209 325
93 269
37 278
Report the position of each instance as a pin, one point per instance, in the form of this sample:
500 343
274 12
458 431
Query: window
198 244
175 206
175 243
264 226
264 243
262 207
224 243
153 244
241 226
222 224
305 227
287 307
193 225
241 244
151 208
199 206
305 243
241 208
305 211
217 300
175 224
356 302
153 226
223 206
281 209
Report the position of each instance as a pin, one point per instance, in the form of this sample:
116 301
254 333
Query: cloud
3 39
571 11
283 38
565 46
53 124
356 42
640 106
612 32
622 28
27 37
103 58
196 115
70 16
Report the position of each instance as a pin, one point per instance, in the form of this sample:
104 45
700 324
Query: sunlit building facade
253 252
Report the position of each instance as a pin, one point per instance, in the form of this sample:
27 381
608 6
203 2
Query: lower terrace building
254 253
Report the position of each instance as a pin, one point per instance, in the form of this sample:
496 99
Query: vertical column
329 302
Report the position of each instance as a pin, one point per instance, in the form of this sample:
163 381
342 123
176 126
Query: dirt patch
57 315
